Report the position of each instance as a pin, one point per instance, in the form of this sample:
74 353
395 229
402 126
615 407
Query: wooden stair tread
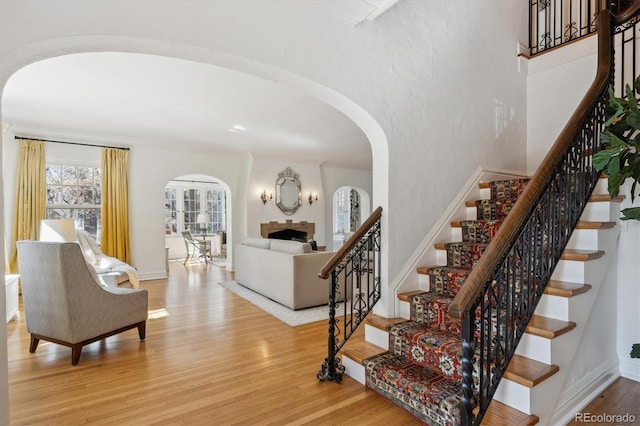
500 414
528 372
548 328
599 198
565 288
579 225
360 350
381 322
595 225
405 296
595 198
425 270
581 255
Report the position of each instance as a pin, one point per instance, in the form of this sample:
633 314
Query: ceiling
124 98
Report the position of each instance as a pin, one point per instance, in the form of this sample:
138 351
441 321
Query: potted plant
620 158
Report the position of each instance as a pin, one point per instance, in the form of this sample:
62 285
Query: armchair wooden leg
142 330
76 349
34 344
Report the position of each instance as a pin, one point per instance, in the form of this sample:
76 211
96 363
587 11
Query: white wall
263 175
556 83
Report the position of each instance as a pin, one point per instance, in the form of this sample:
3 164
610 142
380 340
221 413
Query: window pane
69 175
54 194
53 175
71 195
86 195
85 176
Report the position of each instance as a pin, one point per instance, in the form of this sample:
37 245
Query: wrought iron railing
499 297
556 22
354 289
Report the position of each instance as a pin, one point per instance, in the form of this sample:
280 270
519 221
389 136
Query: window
184 201
346 213
73 192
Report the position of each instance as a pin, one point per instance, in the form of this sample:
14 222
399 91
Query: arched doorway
198 204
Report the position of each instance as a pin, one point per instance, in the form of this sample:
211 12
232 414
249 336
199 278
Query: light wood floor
211 358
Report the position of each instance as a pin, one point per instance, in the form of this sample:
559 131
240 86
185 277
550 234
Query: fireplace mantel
304 226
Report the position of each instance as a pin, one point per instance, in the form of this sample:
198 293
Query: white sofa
282 270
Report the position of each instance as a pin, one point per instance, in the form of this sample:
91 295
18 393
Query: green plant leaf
613 168
633 119
614 183
631 99
632 213
601 159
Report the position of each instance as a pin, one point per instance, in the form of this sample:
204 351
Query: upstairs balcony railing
556 22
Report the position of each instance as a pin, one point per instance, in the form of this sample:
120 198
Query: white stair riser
593 239
404 310
535 347
533 400
376 336
602 211
354 370
576 271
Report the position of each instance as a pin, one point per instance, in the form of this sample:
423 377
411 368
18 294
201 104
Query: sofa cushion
288 246
258 242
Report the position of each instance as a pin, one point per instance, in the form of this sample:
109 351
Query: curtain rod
194 181
74 143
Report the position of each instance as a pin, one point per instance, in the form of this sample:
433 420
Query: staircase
415 361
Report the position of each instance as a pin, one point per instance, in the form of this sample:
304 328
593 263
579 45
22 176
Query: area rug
284 314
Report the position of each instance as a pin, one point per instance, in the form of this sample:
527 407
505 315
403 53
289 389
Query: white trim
148 276
630 368
575 399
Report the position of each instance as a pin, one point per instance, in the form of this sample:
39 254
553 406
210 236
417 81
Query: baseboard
574 399
148 276
630 368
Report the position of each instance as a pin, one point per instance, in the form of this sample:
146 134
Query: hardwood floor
210 357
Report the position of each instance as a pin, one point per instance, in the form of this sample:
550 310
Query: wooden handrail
343 251
527 202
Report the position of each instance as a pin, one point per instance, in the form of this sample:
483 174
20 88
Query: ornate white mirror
288 191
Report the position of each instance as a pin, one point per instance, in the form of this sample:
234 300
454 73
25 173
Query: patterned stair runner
421 372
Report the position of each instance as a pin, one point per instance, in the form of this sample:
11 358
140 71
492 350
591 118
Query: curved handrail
526 204
346 248
627 14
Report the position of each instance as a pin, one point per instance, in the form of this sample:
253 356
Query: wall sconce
264 198
312 198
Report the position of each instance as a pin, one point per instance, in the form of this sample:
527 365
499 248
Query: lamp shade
203 218
58 230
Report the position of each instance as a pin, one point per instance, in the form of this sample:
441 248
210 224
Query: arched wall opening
189 198
31 53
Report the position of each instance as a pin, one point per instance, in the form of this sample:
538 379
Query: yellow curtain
115 204
31 193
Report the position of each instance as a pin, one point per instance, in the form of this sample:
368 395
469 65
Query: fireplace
288 230
288 234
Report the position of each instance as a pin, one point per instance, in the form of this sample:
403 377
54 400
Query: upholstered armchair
65 303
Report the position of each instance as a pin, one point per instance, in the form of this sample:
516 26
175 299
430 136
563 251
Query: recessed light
237 128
